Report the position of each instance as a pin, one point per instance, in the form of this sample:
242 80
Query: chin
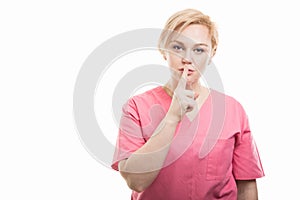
192 81
193 78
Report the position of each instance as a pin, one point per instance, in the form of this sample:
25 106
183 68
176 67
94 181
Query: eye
199 50
177 47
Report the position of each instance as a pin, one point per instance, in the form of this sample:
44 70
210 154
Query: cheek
173 61
201 64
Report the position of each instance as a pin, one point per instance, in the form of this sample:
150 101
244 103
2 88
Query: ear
212 55
214 52
164 56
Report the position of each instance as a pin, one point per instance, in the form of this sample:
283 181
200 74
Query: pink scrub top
207 154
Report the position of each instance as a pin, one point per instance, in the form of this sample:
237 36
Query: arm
247 190
142 167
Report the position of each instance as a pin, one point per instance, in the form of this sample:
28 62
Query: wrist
172 118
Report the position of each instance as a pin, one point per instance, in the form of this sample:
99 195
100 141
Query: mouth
190 71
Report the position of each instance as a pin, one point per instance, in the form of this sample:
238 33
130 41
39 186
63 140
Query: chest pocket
219 163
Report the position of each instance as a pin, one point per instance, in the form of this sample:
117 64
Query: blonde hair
180 20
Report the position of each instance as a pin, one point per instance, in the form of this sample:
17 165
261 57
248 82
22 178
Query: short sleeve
130 137
246 161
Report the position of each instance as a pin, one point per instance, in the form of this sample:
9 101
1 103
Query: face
191 49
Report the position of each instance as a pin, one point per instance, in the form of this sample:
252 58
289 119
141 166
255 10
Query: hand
183 100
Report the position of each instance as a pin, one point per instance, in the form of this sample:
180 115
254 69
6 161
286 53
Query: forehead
194 34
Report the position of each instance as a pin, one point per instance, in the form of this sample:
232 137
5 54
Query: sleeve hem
115 164
249 177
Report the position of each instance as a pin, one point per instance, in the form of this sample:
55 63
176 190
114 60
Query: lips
190 71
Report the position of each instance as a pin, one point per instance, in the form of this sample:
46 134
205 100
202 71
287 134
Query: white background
44 44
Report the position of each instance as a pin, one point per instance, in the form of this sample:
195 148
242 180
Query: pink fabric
205 157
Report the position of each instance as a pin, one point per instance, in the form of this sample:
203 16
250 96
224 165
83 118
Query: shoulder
146 99
235 116
231 104
151 96
154 92
152 103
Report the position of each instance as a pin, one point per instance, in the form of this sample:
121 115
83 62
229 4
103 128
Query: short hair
181 19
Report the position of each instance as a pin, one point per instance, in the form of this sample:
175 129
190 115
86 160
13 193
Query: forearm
247 190
143 166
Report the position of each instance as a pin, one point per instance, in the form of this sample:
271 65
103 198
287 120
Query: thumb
188 86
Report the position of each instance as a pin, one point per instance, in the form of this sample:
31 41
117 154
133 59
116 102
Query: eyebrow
200 44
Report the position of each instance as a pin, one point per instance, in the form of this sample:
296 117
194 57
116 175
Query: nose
187 59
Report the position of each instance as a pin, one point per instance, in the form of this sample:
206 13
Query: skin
143 166
187 56
247 190
192 49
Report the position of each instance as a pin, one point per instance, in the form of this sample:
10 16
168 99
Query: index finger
183 79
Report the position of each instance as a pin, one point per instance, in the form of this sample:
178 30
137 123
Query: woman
169 146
